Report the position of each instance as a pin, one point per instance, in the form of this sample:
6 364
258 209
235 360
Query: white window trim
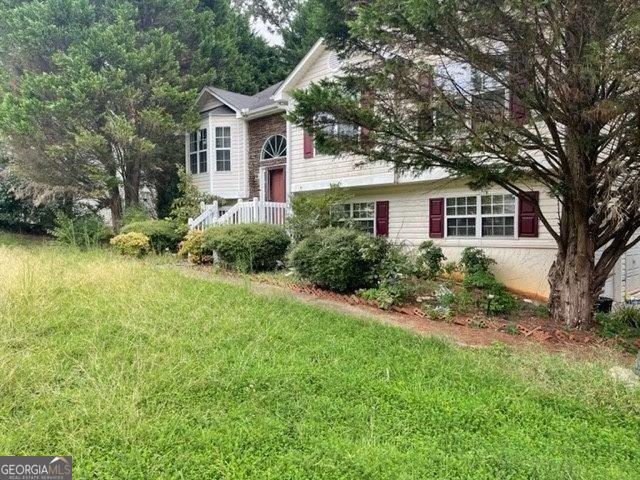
470 93
479 216
198 151
335 129
375 214
264 145
216 149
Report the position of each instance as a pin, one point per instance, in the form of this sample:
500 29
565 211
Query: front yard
140 371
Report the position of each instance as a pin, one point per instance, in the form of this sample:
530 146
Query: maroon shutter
518 110
307 144
425 90
527 215
436 217
366 99
382 219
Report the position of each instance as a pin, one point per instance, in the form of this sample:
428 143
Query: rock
625 375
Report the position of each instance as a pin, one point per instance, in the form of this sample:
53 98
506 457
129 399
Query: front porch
254 211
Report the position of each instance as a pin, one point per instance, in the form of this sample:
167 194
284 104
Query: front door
276 185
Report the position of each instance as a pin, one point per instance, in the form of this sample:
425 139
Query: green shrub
449 267
249 247
396 279
628 315
135 214
162 233
429 259
192 246
187 204
84 231
314 211
340 259
481 279
498 300
133 244
624 321
475 260
388 295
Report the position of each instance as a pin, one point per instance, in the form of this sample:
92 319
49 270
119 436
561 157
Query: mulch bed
534 328
478 329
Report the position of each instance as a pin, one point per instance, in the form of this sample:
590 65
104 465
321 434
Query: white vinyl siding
230 183
523 263
321 169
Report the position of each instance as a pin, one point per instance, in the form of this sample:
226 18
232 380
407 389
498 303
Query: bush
187 204
312 211
21 209
162 233
624 321
133 244
388 295
248 247
449 267
340 259
135 214
84 231
192 246
480 279
475 260
499 300
395 277
429 259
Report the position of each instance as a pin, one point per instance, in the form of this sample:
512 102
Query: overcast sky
263 31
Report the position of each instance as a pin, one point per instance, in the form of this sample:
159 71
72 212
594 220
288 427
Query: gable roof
240 103
304 64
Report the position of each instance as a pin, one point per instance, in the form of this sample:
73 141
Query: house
246 150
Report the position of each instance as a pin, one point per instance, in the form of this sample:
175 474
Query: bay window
198 151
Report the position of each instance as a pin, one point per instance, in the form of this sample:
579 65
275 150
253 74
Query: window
274 147
498 215
487 106
198 151
361 215
223 149
495 217
461 216
331 127
470 94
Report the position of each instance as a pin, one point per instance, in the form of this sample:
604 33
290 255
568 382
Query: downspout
288 171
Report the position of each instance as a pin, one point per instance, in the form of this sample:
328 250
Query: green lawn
139 371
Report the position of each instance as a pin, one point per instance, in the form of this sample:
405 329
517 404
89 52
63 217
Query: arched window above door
274 147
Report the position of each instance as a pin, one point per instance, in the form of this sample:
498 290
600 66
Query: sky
261 29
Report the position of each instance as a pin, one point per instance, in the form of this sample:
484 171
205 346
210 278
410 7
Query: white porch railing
242 212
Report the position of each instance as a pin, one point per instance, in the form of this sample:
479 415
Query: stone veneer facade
260 130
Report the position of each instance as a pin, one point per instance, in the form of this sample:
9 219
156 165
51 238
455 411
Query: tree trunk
572 277
115 205
132 175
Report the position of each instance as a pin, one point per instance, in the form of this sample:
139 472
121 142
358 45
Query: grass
139 371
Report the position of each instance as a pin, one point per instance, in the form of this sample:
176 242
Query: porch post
256 210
